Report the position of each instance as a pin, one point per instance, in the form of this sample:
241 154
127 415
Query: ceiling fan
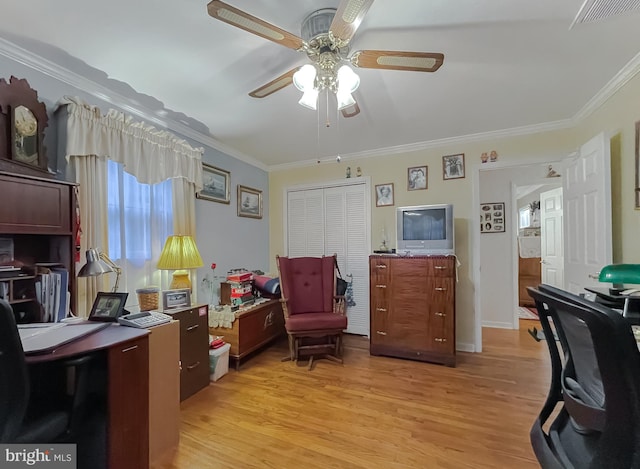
326 34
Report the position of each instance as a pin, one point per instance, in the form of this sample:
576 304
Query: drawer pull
384 310
381 286
381 266
441 314
439 267
439 339
381 333
190 328
197 364
128 349
440 289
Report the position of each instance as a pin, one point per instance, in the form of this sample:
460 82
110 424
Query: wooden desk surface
103 339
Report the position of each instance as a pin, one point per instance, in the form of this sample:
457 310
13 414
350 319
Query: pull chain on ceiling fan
327 33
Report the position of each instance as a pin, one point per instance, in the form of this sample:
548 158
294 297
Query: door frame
475 237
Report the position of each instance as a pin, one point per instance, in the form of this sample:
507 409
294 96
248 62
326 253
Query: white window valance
151 155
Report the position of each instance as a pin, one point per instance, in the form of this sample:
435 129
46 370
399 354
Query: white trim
611 88
465 347
55 71
515 257
497 324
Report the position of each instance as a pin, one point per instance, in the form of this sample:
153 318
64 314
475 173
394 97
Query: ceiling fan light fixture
309 99
304 79
345 100
348 80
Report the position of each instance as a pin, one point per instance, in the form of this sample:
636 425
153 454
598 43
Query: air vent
594 10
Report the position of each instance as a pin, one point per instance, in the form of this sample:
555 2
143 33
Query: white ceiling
508 64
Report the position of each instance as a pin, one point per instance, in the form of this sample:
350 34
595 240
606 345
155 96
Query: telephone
144 319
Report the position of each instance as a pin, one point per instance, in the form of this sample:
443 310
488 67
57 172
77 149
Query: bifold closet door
335 220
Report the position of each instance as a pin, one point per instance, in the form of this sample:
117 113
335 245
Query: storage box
219 362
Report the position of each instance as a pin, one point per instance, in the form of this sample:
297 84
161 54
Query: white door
305 223
587 214
347 234
552 257
332 220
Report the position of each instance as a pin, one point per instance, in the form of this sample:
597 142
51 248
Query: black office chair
595 384
20 420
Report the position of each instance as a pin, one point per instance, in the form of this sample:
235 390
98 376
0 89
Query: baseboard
497 324
465 347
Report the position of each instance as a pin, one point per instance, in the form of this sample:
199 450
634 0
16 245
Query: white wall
498 250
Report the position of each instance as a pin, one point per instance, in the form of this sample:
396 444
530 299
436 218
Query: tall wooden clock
22 122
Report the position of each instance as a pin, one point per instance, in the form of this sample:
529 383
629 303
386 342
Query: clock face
25 140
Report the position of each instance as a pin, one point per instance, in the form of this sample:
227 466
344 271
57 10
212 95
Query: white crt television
425 230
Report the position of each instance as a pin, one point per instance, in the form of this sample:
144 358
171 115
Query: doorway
538 239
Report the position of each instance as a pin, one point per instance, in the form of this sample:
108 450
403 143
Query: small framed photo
215 184
492 218
417 178
108 307
176 298
249 202
384 194
453 166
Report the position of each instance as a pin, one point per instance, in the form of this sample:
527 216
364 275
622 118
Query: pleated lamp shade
179 253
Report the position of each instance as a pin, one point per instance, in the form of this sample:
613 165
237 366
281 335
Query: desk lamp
180 253
99 263
619 274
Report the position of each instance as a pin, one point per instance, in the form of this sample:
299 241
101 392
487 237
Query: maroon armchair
314 314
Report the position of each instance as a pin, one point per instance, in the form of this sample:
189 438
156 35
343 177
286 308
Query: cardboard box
219 362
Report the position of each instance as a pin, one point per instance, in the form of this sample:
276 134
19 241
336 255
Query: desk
630 305
125 353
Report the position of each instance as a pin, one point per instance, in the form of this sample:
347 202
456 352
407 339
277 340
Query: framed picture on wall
384 194
492 218
453 166
249 202
417 178
215 184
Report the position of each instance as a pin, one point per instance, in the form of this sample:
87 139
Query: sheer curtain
140 218
137 202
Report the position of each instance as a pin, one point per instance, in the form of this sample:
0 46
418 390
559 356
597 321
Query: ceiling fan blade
240 19
397 60
274 85
347 19
351 111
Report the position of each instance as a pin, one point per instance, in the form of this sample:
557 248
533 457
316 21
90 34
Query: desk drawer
194 350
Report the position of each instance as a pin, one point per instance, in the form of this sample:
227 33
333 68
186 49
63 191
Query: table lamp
99 263
180 253
619 274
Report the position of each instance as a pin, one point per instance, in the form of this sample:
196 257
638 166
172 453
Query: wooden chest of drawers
253 328
194 348
412 301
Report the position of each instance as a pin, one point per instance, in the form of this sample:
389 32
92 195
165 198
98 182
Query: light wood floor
371 412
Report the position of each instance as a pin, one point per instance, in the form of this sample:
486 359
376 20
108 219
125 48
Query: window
140 218
524 219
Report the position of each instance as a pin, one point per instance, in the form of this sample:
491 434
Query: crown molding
420 146
57 72
53 70
618 81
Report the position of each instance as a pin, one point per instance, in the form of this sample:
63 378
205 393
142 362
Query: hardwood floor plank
371 412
